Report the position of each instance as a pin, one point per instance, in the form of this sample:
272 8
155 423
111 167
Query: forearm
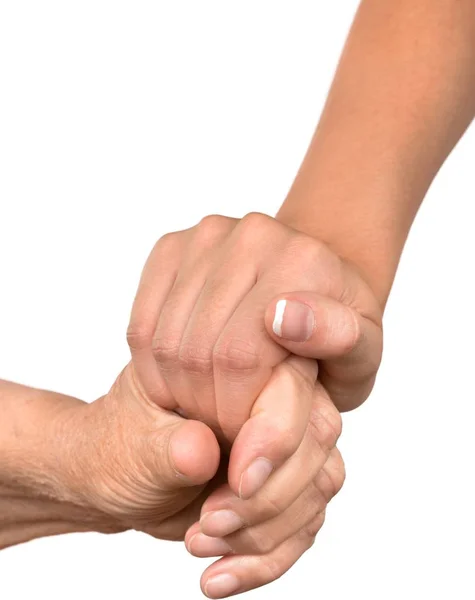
403 94
39 465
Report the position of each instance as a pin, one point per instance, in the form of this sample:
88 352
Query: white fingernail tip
279 317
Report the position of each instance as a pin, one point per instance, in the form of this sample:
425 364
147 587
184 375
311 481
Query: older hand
116 464
151 470
141 466
261 553
123 462
263 536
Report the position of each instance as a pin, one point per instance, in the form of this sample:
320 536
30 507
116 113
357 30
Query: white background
120 121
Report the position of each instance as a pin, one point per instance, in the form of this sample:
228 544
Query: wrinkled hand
139 466
261 553
263 536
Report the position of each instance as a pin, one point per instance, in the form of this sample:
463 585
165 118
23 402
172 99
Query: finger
156 281
276 426
179 457
202 546
244 342
175 363
267 536
176 526
320 327
238 263
187 454
221 516
236 574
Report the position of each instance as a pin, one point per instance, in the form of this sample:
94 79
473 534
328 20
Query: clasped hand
247 338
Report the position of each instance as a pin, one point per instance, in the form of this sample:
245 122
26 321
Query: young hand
203 333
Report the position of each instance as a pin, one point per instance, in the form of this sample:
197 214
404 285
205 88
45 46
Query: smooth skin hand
204 343
197 322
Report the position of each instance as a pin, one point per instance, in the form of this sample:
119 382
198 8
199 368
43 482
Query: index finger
276 427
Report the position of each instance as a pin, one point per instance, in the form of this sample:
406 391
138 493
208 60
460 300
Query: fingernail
293 321
254 477
220 523
221 585
203 546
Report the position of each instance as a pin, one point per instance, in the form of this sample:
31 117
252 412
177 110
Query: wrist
359 223
40 466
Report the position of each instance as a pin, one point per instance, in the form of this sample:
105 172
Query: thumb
187 455
315 326
349 344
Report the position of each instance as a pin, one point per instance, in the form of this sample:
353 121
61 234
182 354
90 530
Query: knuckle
352 332
326 486
338 479
311 529
271 568
288 442
213 226
236 354
268 507
168 242
261 543
256 219
284 436
296 380
374 359
195 358
138 336
337 473
165 350
326 426
254 224
313 256
307 248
